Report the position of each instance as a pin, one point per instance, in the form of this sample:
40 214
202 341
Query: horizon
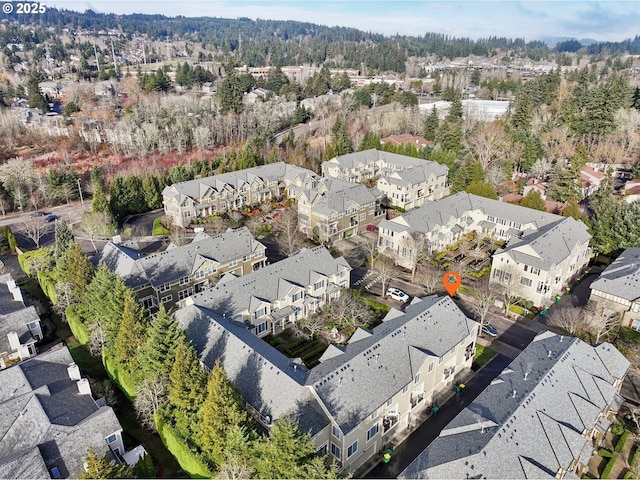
531 20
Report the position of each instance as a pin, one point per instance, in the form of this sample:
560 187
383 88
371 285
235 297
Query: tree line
200 414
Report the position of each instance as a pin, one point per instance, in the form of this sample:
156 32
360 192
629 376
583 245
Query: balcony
389 421
416 398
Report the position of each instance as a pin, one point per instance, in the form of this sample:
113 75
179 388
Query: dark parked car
50 218
38 214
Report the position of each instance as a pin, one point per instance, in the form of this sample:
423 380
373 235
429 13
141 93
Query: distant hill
551 42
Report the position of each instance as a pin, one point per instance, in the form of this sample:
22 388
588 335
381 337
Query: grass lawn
158 228
483 354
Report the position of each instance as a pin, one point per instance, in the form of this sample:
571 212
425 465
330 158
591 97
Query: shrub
608 467
47 280
189 462
617 429
621 441
604 453
636 455
630 335
303 348
314 352
11 239
629 474
42 256
119 375
293 346
76 318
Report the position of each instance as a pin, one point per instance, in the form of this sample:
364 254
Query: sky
602 21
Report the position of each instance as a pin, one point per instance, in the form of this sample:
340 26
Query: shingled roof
47 420
529 422
622 277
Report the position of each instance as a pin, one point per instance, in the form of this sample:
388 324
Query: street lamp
80 190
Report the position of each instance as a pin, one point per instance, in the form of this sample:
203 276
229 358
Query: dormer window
318 285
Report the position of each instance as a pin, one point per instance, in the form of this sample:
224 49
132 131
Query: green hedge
303 348
604 453
11 239
609 466
636 455
314 352
47 280
629 474
119 375
621 441
76 317
189 462
24 259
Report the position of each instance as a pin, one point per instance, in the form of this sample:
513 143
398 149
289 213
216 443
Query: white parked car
397 294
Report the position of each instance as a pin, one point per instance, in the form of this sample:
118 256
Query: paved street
407 451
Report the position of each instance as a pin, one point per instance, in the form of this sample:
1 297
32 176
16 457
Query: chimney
15 290
549 355
83 387
14 341
525 375
514 394
561 338
74 371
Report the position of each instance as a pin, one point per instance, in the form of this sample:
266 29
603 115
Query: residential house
542 417
203 197
631 191
536 184
167 277
50 419
591 180
50 89
363 394
336 209
538 264
617 289
270 299
443 222
407 182
208 87
20 328
406 139
313 104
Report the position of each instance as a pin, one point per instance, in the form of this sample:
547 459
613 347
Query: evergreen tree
483 189
103 468
151 191
289 453
449 137
79 271
534 200
635 98
118 198
475 78
99 202
572 209
230 92
35 97
158 352
135 200
466 173
340 138
63 237
431 125
105 303
455 110
369 141
187 389
132 331
222 409
275 80
522 115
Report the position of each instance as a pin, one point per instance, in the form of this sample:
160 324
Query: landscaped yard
483 355
158 227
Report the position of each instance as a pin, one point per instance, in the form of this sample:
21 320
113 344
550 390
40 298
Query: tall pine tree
158 352
132 331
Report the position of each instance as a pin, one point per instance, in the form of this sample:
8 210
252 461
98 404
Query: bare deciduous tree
97 338
567 318
348 311
95 225
488 144
35 228
310 326
371 248
287 233
484 298
386 270
148 399
600 322
414 246
430 278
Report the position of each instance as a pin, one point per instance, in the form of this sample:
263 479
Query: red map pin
451 282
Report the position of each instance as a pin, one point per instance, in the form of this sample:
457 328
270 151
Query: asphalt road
426 433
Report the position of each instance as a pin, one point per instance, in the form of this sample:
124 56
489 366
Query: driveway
426 433
142 223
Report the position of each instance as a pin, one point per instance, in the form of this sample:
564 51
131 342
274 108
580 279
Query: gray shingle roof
17 321
365 157
266 378
177 262
43 410
8 303
383 363
232 295
271 172
454 207
553 243
622 277
528 423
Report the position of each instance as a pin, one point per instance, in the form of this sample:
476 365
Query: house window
636 325
148 302
335 431
389 402
373 431
185 293
111 439
353 448
416 379
526 268
199 274
318 285
296 296
183 281
362 216
233 263
261 328
166 298
374 414
405 389
164 287
211 270
535 271
186 214
261 312
431 367
335 451
526 281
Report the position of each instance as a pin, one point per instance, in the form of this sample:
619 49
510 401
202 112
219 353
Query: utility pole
80 190
96 54
113 54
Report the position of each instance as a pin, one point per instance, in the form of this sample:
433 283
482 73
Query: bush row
303 348
11 239
609 466
189 462
621 441
293 345
314 352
